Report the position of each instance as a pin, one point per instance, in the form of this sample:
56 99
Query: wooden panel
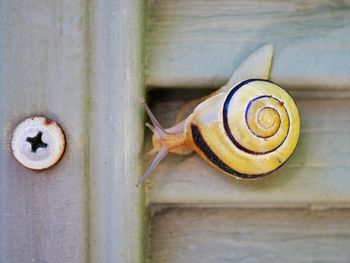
43 214
78 62
115 133
317 173
226 235
199 43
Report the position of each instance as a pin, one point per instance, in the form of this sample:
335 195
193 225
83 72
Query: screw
38 143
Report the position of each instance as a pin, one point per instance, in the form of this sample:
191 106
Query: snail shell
248 132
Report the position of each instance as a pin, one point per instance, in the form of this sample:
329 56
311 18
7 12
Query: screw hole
36 142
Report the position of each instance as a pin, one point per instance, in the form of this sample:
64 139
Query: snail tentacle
160 156
164 141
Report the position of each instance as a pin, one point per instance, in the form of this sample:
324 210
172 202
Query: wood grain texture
43 72
115 135
316 174
247 236
199 43
79 63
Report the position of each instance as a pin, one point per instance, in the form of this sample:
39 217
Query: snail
247 129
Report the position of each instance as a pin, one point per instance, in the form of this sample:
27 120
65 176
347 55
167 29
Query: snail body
246 131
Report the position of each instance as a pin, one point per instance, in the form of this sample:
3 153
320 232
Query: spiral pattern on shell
255 133
264 116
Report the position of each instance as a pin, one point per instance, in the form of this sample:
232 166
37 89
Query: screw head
38 143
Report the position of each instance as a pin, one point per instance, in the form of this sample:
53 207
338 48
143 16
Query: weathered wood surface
271 236
115 135
43 71
199 43
78 62
317 173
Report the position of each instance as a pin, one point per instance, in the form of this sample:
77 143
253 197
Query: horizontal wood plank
317 173
199 43
235 235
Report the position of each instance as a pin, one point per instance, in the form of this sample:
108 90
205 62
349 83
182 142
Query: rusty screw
38 143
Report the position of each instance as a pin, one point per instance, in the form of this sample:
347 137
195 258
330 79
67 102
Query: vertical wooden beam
115 84
43 72
78 62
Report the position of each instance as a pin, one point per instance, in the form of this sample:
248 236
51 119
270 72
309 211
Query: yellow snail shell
246 130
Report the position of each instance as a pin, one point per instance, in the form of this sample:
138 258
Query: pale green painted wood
199 43
78 62
316 175
196 44
43 71
250 236
115 143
